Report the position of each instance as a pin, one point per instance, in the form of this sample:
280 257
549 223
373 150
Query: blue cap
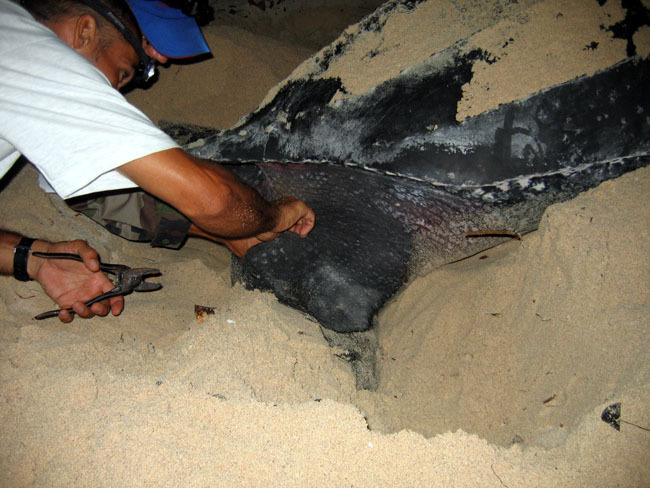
168 29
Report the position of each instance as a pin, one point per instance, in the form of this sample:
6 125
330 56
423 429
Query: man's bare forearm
212 197
245 212
8 240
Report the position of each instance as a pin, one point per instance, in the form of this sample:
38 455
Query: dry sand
494 370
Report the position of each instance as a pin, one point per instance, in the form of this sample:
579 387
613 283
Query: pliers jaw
132 279
138 275
129 280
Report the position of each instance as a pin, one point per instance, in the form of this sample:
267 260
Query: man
168 33
61 64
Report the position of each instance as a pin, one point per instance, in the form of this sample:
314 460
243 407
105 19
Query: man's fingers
65 316
82 310
297 218
100 308
304 226
306 222
85 312
117 305
79 309
88 254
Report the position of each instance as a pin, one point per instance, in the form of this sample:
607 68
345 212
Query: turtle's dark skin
397 181
391 198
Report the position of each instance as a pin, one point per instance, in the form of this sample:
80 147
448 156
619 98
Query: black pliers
127 280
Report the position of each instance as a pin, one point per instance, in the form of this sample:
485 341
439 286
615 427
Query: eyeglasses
146 68
145 72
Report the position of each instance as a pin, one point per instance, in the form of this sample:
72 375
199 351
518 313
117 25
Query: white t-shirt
61 112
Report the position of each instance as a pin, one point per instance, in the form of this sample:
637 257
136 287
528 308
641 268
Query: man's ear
85 36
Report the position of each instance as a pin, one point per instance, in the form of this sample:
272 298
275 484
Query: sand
494 370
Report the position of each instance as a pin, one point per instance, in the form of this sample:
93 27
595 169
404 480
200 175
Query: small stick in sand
493 233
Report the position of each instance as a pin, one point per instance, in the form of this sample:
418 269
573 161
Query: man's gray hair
51 10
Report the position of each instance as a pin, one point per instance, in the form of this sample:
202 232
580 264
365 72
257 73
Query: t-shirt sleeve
60 111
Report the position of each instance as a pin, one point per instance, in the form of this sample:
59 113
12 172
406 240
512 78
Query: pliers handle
127 280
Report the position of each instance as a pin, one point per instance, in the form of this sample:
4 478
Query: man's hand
71 283
295 217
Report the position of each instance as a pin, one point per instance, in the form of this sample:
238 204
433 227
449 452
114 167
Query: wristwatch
21 255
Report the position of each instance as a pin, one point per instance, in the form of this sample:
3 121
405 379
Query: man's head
103 31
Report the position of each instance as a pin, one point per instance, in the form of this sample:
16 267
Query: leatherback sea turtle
397 182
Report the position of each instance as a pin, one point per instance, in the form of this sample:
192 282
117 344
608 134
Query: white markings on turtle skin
503 185
524 181
491 192
541 186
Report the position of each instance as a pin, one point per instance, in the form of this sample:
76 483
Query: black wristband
21 254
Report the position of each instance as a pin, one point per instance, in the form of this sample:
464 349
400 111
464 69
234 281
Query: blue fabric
168 29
